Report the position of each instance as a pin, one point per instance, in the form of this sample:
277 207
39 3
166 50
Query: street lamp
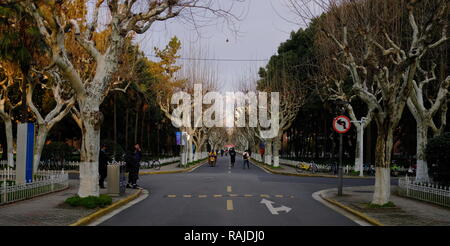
360 134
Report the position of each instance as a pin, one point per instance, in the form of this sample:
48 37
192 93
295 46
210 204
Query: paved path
226 196
47 210
408 212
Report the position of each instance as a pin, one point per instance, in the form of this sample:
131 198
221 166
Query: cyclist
212 158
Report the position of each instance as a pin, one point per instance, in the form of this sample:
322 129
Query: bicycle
306 167
155 164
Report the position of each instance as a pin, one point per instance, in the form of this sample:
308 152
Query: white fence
43 182
424 191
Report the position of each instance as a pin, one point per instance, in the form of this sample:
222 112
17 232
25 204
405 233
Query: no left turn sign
341 124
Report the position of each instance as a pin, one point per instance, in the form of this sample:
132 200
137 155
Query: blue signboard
178 137
29 153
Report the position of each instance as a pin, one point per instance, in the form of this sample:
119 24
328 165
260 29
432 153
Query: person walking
246 157
232 156
103 166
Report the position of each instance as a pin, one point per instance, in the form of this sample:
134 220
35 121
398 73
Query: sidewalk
408 212
291 171
171 168
49 210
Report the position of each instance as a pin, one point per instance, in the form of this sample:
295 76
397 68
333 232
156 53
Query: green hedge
90 201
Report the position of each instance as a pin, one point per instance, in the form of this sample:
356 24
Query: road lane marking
233 195
279 196
187 196
202 196
230 205
229 188
217 195
274 210
172 196
248 195
265 196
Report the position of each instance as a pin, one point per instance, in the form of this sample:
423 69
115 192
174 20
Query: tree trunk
9 141
358 151
41 136
382 166
276 151
268 153
422 140
126 129
91 118
136 127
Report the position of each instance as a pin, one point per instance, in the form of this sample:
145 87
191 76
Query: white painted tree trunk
382 185
422 140
268 153
89 177
276 151
9 141
384 146
41 136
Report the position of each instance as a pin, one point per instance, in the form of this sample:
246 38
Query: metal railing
43 182
432 193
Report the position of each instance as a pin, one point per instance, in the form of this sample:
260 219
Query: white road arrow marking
274 210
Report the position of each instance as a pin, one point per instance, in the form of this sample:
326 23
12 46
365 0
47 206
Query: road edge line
367 218
95 215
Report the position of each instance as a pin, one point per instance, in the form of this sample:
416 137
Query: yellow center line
230 205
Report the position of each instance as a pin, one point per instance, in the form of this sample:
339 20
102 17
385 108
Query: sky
261 30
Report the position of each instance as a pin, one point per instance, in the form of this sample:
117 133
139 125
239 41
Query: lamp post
360 134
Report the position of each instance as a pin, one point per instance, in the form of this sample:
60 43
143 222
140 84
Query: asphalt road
224 196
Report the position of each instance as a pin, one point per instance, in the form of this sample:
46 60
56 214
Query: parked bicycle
152 164
306 167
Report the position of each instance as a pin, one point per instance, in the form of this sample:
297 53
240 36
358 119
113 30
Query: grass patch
386 205
90 201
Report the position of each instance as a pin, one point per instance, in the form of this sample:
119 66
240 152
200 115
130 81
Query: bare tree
381 64
123 19
64 100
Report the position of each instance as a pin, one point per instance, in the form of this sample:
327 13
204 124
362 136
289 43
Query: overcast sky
260 32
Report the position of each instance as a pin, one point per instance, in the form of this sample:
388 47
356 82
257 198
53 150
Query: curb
174 171
91 217
352 211
306 175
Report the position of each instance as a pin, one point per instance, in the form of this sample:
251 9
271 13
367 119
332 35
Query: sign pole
340 183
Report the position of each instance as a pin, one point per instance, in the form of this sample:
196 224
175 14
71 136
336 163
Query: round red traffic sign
342 124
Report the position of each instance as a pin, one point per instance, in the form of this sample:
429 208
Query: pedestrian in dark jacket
232 156
103 166
133 164
246 157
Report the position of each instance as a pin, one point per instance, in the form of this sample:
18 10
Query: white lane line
115 212
229 188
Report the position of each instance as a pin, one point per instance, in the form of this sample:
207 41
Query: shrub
90 201
438 158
